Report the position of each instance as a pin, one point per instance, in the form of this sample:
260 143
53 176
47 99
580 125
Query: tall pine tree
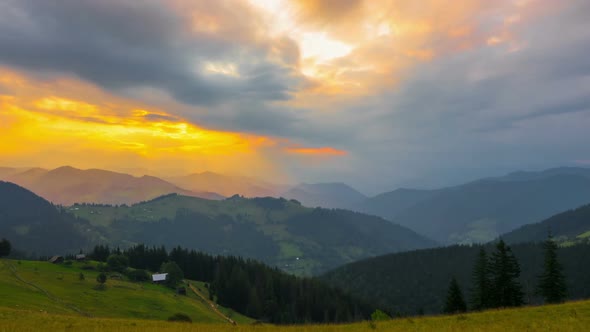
505 290
552 281
455 302
480 292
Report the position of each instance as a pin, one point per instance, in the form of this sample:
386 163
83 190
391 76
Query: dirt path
211 304
52 297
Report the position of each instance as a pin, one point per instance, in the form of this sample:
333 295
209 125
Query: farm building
80 257
56 259
160 277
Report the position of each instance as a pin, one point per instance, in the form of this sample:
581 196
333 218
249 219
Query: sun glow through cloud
282 88
39 127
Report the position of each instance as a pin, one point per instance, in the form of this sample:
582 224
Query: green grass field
574 316
39 296
57 289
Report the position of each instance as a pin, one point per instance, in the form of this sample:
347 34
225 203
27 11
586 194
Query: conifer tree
480 293
552 281
5 248
505 290
455 302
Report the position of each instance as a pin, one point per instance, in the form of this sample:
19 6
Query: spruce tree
455 302
505 290
552 281
480 292
5 248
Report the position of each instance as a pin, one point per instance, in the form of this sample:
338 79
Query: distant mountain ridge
67 185
227 185
328 195
481 210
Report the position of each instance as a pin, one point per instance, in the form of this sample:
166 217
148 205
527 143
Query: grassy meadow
573 316
57 289
39 296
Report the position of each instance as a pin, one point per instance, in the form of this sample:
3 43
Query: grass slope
50 289
572 316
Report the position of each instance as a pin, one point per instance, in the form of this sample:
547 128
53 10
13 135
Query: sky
374 93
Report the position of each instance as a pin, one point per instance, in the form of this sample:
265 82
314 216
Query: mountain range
279 232
67 185
480 211
227 185
475 212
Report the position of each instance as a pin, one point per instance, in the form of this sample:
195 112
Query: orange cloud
42 126
322 151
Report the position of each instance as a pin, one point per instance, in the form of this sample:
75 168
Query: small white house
160 277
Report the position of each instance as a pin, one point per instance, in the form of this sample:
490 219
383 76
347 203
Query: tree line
247 286
495 280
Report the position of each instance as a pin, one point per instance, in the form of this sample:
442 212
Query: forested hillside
250 287
416 282
277 231
568 227
34 225
480 211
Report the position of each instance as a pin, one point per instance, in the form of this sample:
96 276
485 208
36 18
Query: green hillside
279 232
57 289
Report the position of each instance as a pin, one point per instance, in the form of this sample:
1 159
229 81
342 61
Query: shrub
138 275
379 315
180 317
117 263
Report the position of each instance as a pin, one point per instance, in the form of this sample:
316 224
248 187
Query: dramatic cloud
374 92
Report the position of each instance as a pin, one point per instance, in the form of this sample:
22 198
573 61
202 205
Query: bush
180 317
5 248
101 278
138 275
117 263
379 315
175 274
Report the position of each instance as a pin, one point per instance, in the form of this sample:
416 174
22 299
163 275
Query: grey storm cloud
120 44
487 111
467 114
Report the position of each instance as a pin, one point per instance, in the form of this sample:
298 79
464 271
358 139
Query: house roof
55 258
159 277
